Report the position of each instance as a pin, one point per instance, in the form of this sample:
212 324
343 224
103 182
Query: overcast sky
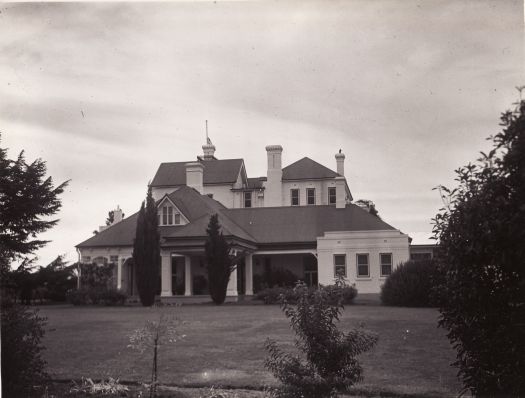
103 92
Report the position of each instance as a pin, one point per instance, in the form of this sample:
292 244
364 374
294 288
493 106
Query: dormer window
168 216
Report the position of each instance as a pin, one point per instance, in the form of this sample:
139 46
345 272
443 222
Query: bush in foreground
327 361
482 259
410 285
23 373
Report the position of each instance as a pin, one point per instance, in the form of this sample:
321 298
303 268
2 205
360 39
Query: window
177 218
386 263
310 196
340 264
363 269
113 259
247 199
168 216
331 195
294 194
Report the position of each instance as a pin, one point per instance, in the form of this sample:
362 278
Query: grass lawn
224 346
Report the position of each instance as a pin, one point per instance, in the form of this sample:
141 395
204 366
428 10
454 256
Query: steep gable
307 169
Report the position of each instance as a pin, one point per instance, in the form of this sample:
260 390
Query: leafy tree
327 361
482 263
27 198
146 251
220 263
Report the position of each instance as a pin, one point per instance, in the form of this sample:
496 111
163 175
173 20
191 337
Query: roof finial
208 141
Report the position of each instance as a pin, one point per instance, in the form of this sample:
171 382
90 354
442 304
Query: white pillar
119 272
166 275
232 284
248 272
187 276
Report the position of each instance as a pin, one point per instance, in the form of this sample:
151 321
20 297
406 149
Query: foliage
111 387
146 251
22 362
97 275
410 284
482 259
96 295
327 362
334 294
111 217
27 199
219 263
153 336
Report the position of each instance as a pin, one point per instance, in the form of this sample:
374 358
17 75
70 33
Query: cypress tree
219 263
146 251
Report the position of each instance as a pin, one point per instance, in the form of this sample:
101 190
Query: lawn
224 346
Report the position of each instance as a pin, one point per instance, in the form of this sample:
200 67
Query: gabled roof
264 225
307 169
223 171
196 207
303 223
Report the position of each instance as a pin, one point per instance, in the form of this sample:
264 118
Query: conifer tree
220 265
146 251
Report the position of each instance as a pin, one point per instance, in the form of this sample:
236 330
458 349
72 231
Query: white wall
158 193
352 243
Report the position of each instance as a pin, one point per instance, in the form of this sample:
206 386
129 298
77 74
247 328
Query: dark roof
303 223
263 225
223 171
307 169
256 183
195 207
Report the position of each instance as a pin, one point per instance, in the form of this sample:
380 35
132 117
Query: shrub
482 259
410 284
326 363
95 275
342 293
22 364
97 296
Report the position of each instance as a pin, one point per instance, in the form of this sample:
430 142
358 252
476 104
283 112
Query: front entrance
177 275
310 270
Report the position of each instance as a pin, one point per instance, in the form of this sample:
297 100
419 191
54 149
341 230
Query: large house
298 221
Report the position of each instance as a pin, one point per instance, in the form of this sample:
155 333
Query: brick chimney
340 192
340 160
273 187
194 176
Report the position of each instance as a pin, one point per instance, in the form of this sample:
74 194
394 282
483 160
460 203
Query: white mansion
298 220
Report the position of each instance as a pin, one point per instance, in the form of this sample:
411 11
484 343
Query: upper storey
302 183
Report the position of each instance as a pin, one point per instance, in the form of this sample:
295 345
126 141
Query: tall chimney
194 176
340 160
340 193
117 215
273 187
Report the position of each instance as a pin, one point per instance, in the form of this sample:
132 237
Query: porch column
165 275
120 260
248 272
187 276
232 284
